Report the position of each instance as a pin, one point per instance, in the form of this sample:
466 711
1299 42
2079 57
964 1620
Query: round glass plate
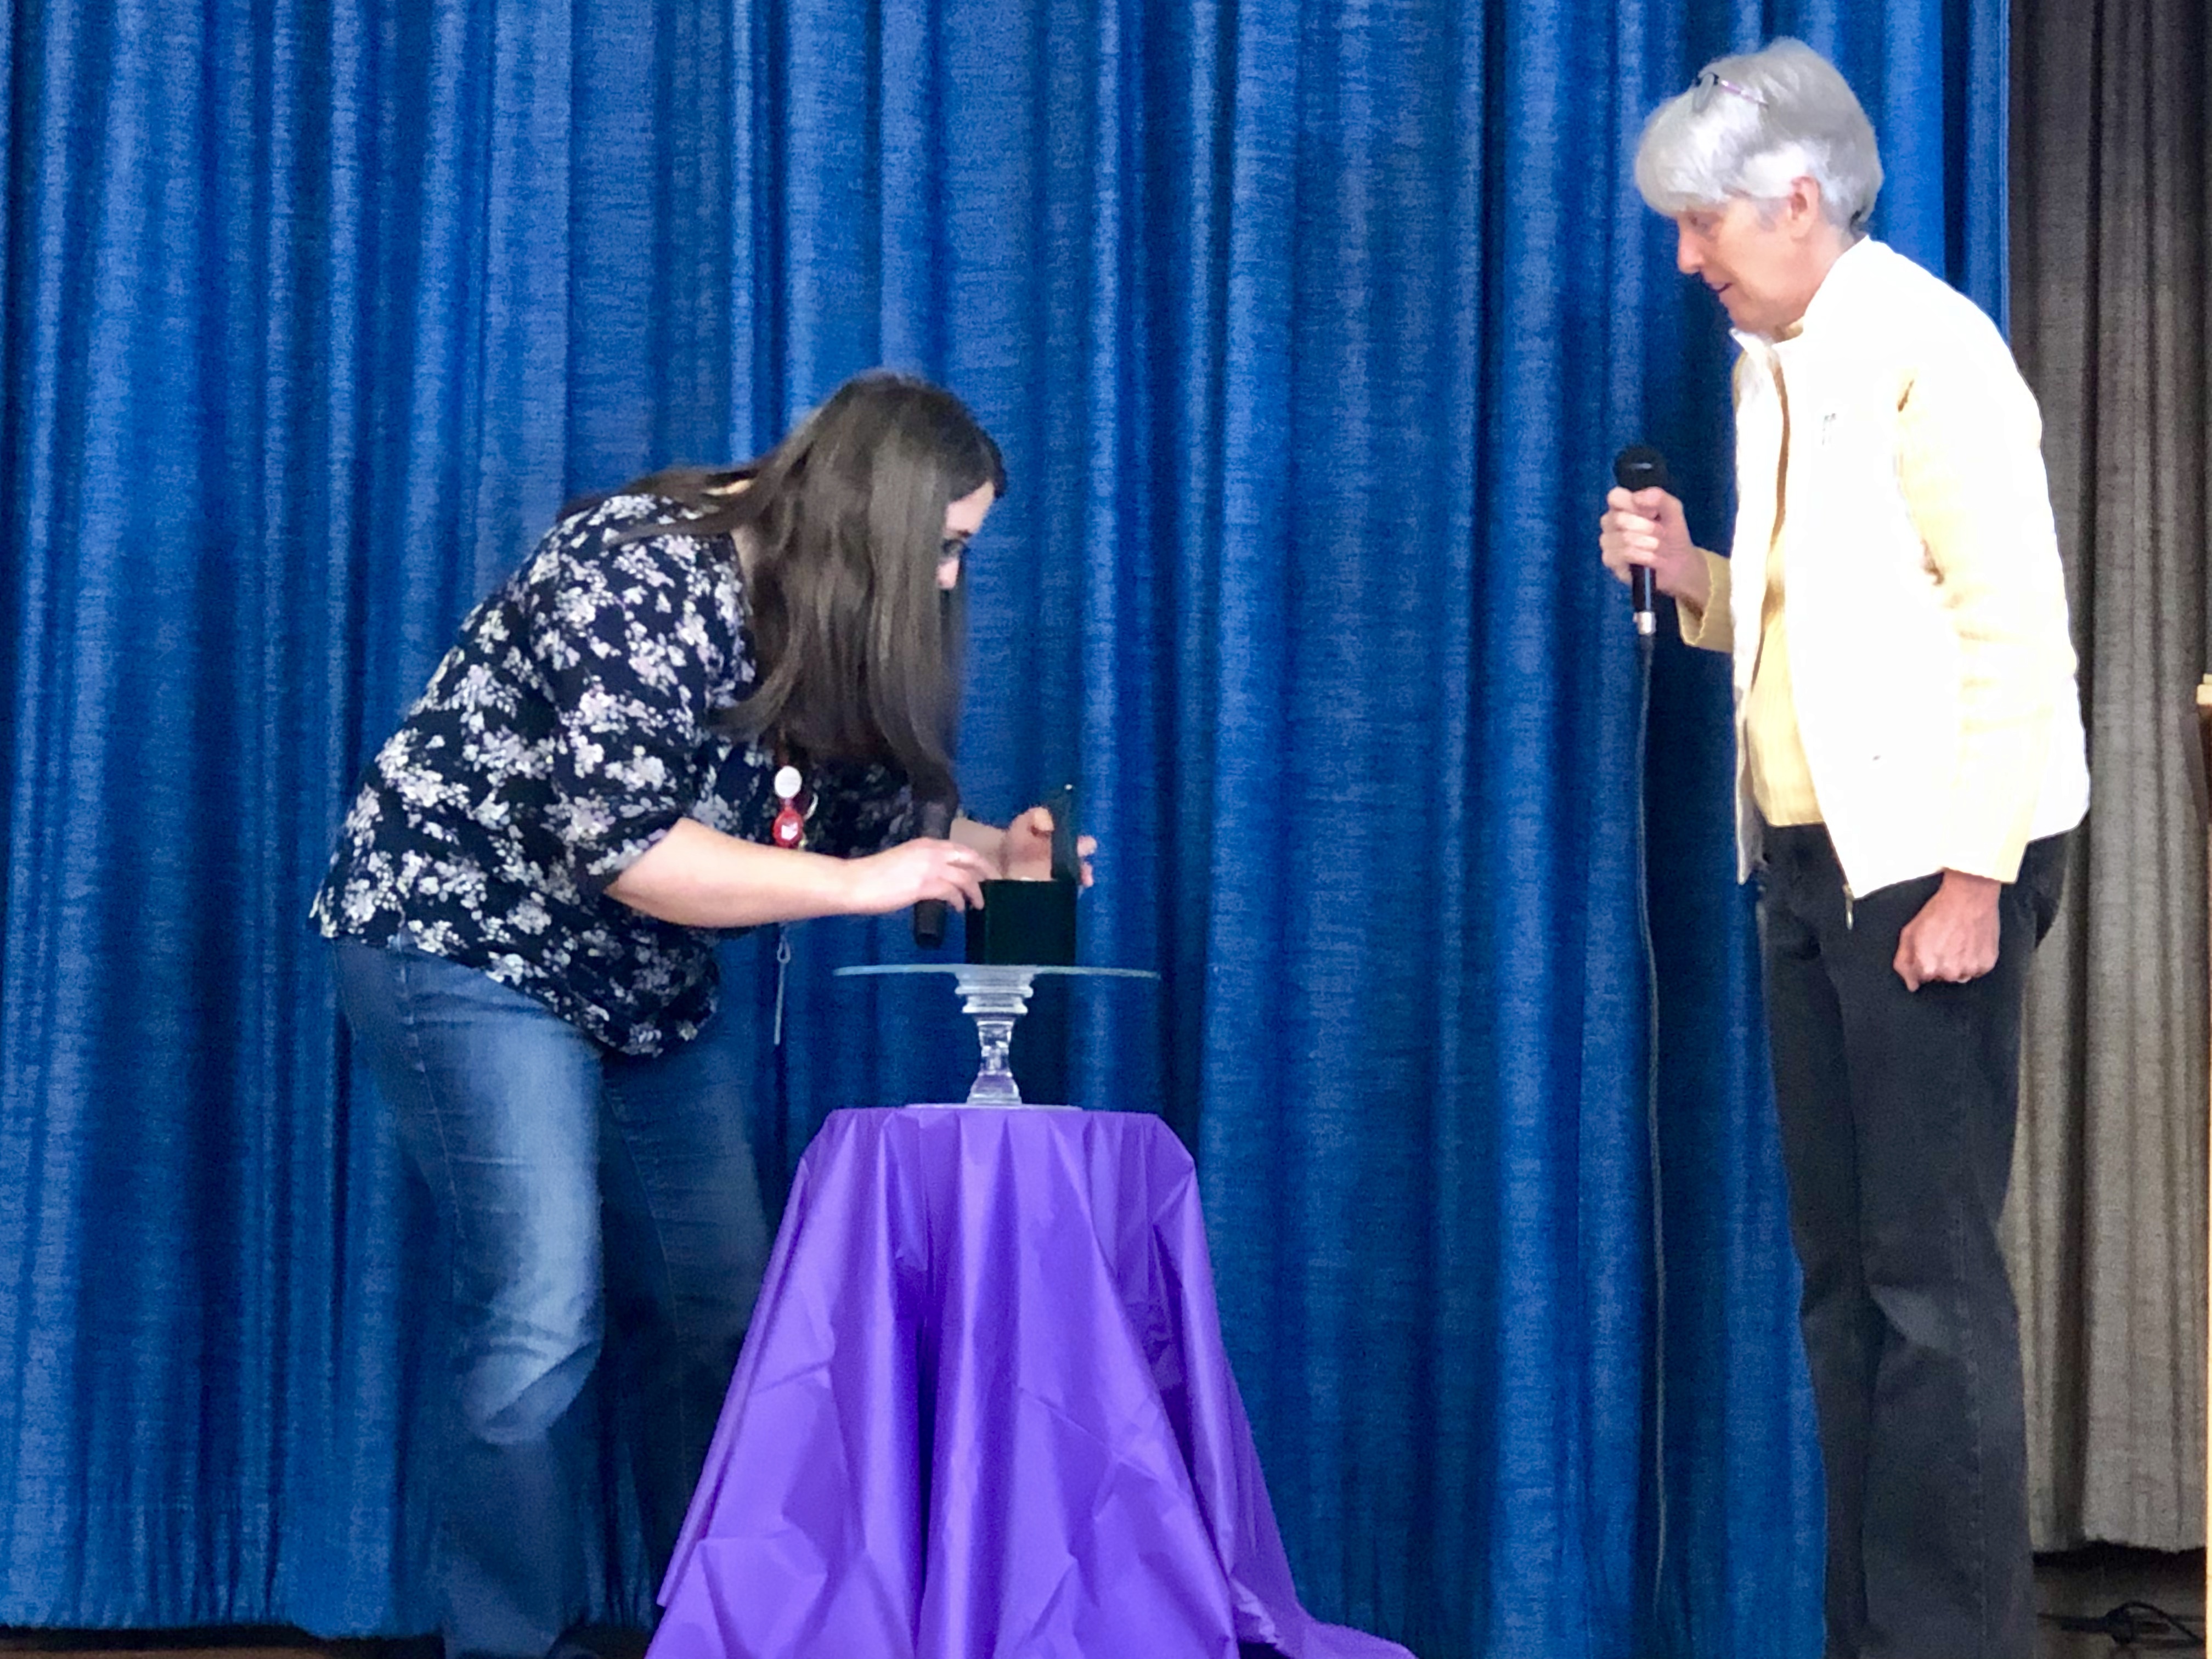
994 994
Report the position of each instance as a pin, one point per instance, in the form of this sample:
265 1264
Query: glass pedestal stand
994 995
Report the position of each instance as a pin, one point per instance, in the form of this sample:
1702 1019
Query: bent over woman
523 904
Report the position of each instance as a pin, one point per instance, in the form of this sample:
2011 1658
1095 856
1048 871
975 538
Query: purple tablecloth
983 1413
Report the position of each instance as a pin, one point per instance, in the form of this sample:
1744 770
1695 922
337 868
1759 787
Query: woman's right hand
1646 528
914 871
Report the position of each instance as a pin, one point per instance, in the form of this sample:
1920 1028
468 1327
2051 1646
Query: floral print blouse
566 732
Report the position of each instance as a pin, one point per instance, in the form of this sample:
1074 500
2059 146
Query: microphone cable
1644 642
1642 467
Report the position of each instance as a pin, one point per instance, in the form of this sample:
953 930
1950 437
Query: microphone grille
1642 467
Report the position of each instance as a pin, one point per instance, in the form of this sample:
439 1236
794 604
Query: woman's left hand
1955 937
1025 854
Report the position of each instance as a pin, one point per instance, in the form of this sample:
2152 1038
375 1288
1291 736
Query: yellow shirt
1781 777
1936 432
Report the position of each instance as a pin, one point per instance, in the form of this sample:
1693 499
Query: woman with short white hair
1748 126
1910 757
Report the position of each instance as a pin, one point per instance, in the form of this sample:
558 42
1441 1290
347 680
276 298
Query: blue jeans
563 1176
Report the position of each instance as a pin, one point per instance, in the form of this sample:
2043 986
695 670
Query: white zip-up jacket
1933 682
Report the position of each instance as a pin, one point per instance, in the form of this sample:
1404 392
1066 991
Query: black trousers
1897 1111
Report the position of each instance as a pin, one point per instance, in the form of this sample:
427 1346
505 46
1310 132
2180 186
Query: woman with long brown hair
707 700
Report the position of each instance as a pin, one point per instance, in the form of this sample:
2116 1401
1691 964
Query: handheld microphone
1642 467
1065 866
934 823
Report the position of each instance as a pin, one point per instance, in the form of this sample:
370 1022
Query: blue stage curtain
1309 329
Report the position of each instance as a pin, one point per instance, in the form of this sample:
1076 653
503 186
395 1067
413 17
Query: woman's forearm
700 877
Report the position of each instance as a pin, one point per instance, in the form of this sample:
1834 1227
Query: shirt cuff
1986 828
1980 843
603 852
1707 627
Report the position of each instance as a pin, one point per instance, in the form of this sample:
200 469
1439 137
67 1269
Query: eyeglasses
950 548
1708 85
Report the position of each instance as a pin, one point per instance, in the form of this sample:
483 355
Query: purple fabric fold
983 1412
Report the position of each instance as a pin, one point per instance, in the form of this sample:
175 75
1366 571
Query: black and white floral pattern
568 729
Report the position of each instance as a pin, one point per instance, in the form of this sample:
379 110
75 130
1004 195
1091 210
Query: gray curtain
2109 306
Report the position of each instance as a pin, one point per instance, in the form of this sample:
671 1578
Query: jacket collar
1856 274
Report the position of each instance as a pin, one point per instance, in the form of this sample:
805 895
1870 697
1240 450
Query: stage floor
2086 1584
2089 1583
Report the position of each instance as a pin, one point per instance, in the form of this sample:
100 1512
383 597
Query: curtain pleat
2106 1234
1309 331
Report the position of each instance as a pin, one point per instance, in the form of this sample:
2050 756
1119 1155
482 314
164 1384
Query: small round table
995 994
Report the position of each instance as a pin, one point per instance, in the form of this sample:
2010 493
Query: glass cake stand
995 994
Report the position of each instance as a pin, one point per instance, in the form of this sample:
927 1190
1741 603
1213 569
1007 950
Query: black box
1031 923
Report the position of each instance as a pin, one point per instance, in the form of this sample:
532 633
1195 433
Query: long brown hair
859 653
